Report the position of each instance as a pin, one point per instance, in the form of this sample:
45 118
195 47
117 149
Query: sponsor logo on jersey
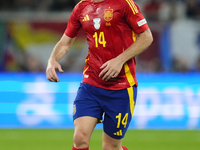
97 23
141 22
108 14
86 18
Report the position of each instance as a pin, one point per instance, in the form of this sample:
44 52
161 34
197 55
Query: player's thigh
86 103
111 143
118 112
84 126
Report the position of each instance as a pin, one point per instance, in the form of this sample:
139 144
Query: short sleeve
73 25
134 17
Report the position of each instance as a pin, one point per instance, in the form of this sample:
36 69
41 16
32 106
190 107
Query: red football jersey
111 27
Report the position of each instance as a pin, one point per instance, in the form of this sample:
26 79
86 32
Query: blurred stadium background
37 114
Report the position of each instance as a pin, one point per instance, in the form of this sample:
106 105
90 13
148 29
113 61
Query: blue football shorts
114 107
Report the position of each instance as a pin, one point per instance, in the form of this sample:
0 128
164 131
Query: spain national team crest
108 14
97 23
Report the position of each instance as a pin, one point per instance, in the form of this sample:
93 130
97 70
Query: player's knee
81 140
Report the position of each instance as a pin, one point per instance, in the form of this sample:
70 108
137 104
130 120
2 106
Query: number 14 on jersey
99 39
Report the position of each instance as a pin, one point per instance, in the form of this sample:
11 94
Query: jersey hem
109 88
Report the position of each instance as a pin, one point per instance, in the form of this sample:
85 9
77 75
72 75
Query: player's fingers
104 65
115 74
103 72
54 75
107 76
110 74
51 77
48 75
60 68
52 80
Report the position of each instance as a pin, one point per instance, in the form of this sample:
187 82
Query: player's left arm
112 68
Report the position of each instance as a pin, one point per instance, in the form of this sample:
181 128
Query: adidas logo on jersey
119 133
86 18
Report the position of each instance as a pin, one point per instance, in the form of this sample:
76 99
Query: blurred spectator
193 9
32 64
153 65
151 10
179 65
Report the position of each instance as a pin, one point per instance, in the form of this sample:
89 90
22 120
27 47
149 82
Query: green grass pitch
61 139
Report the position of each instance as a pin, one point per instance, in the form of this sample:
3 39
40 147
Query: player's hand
51 71
111 69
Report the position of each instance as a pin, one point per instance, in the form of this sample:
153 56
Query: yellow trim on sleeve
134 6
130 6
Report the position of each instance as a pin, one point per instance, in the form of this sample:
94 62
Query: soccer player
116 32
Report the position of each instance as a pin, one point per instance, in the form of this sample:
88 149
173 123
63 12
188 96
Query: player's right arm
60 49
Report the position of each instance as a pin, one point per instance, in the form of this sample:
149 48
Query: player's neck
96 1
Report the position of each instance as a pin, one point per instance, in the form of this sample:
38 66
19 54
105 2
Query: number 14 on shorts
122 121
